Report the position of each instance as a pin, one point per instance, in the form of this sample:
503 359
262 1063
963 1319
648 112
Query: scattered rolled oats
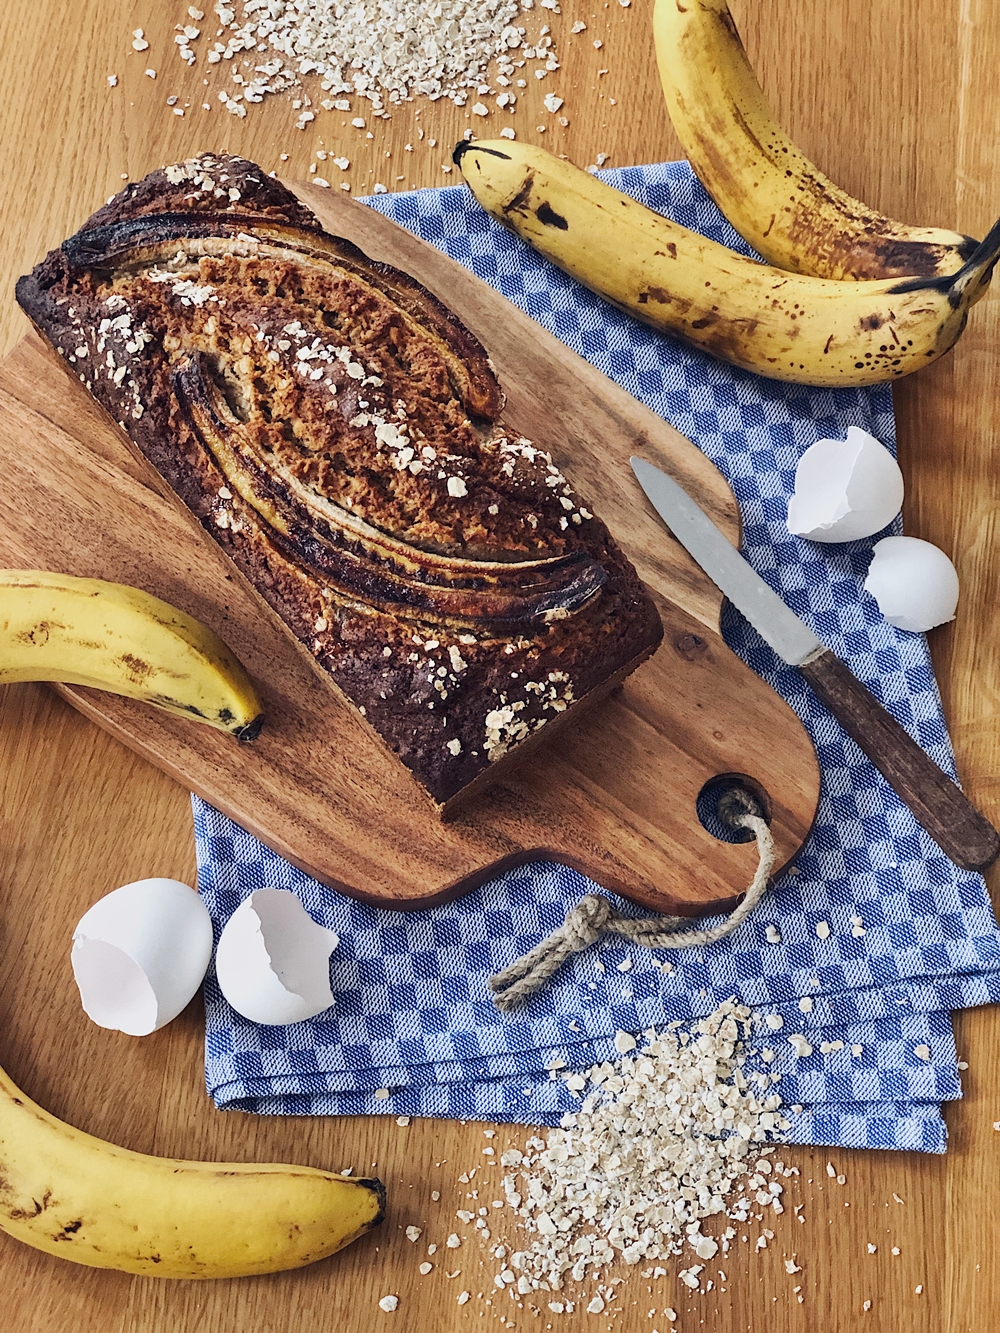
661 1141
386 51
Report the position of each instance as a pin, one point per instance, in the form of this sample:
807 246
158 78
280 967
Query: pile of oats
665 1138
382 50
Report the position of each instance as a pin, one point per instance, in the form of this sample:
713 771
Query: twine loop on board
593 917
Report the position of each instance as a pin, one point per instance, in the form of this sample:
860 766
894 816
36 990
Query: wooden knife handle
939 805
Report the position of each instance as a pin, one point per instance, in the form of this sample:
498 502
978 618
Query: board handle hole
713 818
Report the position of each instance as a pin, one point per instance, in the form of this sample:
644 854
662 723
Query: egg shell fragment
140 954
845 490
273 960
914 583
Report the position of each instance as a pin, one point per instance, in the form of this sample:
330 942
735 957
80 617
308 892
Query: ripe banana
783 325
88 632
75 1196
792 215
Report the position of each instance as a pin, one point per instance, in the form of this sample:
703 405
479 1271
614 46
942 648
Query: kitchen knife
938 804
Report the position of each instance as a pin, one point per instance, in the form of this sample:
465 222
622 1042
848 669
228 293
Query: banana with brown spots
78 1197
786 326
113 637
779 201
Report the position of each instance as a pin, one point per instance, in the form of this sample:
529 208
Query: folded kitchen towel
911 937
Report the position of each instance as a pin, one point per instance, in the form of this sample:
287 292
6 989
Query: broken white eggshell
140 954
845 490
273 960
914 583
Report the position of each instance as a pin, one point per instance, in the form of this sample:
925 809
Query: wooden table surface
898 103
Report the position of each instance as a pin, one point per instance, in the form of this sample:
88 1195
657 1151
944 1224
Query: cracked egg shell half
273 960
845 490
140 954
914 583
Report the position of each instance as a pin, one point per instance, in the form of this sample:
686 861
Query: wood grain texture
899 104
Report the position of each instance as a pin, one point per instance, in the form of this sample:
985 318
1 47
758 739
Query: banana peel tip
463 146
251 731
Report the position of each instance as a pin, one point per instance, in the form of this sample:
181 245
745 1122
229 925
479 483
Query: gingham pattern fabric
413 1016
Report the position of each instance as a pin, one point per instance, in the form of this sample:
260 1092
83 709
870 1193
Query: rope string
593 917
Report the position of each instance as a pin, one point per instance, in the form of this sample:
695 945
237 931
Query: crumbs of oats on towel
667 1136
382 50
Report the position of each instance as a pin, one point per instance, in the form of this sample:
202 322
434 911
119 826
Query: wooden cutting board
615 795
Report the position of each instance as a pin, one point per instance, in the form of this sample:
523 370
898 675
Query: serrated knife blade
938 804
790 637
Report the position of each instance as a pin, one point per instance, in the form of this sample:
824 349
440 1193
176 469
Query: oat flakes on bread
339 433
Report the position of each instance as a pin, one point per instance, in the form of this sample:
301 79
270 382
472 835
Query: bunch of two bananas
845 296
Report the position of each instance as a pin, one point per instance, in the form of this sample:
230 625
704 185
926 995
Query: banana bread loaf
339 433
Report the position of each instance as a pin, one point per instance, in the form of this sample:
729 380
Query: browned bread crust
338 432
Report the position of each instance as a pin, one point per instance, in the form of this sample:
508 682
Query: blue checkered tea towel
911 937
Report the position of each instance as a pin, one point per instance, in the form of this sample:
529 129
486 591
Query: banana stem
978 268
982 261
